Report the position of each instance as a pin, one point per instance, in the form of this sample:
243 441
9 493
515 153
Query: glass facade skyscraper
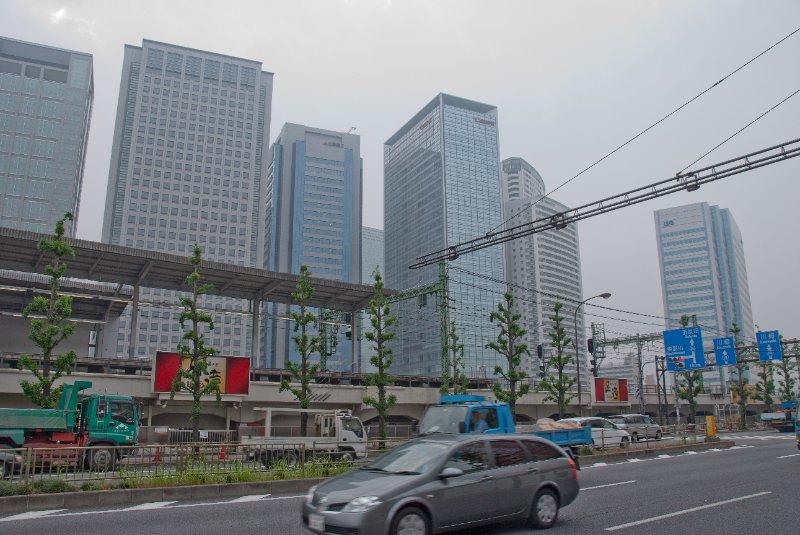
543 269
442 187
46 97
312 218
187 166
703 272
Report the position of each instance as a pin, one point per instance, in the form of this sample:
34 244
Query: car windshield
442 419
617 419
411 457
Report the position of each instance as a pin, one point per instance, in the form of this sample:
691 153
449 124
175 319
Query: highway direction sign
769 345
684 349
724 351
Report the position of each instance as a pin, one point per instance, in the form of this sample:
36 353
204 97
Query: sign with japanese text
233 372
769 345
610 390
724 351
684 349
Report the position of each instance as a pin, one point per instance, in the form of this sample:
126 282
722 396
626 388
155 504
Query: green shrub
51 486
9 488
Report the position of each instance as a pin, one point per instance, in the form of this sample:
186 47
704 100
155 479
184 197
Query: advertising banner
610 390
233 372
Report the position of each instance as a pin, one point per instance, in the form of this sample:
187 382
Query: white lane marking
600 464
31 514
695 453
686 511
148 506
55 513
664 456
787 456
250 498
609 485
634 460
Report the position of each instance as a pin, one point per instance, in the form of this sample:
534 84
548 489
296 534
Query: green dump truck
89 429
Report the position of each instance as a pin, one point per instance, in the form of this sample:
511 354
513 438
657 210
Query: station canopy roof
127 266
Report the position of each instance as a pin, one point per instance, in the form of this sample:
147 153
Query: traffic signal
590 345
593 365
539 351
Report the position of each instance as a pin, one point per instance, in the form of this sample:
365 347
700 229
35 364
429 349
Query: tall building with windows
703 273
46 96
544 268
371 259
312 218
442 187
187 166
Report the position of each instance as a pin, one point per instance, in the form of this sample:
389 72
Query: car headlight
310 495
361 504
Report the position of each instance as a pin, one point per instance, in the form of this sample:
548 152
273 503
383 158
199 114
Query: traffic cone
222 452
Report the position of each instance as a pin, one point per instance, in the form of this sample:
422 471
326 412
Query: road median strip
663 452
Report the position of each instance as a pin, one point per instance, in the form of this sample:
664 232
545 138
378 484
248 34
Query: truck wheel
266 459
292 459
347 457
101 459
545 509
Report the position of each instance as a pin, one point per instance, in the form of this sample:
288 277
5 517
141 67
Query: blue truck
473 414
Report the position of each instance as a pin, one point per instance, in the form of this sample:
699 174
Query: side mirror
450 471
462 427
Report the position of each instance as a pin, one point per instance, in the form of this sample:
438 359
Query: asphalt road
752 488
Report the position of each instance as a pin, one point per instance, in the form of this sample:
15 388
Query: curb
654 452
99 498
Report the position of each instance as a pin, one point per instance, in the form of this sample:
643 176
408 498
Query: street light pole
605 295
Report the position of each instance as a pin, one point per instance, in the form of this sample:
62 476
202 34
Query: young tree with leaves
786 370
454 380
382 323
306 344
740 386
690 382
556 383
765 387
50 325
510 346
194 375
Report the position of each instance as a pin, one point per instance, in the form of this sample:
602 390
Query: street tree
690 382
556 383
510 346
765 387
49 325
786 369
454 380
195 375
306 343
381 333
740 387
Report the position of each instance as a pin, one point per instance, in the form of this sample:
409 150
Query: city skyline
579 90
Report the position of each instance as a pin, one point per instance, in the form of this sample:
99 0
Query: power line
667 116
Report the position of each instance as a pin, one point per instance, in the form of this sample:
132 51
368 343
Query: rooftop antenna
352 129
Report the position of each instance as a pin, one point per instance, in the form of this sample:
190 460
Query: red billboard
610 390
233 372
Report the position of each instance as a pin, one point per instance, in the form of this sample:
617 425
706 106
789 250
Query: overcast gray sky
571 80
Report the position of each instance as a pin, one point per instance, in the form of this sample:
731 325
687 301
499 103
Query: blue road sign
684 349
724 351
769 346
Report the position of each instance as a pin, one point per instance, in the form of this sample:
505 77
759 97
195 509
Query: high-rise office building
187 166
46 99
442 187
371 259
313 218
542 269
703 273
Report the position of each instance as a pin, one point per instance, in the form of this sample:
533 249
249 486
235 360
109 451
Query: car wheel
545 509
347 457
5 471
624 442
411 521
635 437
658 435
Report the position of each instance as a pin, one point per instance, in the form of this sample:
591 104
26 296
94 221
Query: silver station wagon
445 482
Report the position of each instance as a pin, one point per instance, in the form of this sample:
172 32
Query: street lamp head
605 295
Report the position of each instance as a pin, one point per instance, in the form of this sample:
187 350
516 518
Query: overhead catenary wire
661 120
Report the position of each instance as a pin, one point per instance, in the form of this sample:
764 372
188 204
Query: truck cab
109 419
467 414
